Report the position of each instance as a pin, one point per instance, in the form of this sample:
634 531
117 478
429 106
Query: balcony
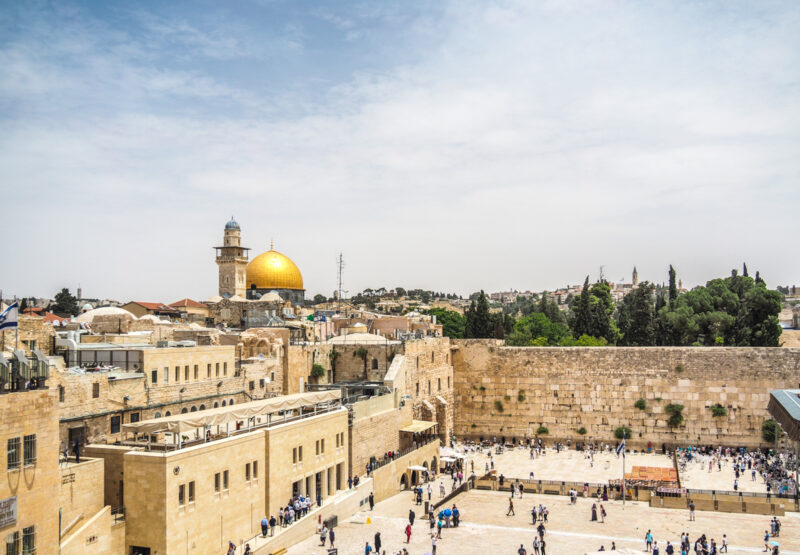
22 373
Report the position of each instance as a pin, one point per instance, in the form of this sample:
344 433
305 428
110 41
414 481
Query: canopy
225 415
420 468
448 459
418 426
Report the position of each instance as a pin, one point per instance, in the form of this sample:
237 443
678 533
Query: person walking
411 516
331 537
272 522
535 545
521 550
510 511
367 548
408 533
648 541
724 545
542 546
323 535
264 526
433 544
430 491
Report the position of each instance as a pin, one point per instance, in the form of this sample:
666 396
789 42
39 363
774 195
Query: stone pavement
487 530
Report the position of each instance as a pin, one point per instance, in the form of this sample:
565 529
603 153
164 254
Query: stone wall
375 432
427 372
81 494
33 331
568 388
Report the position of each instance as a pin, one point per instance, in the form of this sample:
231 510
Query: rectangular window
166 375
181 495
417 389
316 447
429 387
30 449
337 440
12 543
13 457
29 540
61 394
154 377
191 491
252 385
135 417
255 469
196 372
208 371
300 453
225 368
177 374
216 482
448 382
115 424
95 390
217 370
186 373
322 445
247 472
440 383
294 455
225 479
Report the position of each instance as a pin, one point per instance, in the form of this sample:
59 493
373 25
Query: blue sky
445 145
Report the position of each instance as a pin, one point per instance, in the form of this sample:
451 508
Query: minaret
635 277
232 261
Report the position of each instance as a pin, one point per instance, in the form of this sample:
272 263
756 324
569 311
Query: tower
635 276
232 261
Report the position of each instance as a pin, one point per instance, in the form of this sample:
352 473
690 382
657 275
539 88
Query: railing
397 454
118 514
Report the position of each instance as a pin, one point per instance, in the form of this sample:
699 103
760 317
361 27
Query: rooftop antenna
602 274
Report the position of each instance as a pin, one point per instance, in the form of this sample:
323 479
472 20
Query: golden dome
272 270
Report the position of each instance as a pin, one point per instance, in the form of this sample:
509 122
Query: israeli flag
9 317
621 448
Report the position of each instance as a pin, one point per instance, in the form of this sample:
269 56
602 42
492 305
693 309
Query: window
193 409
167 413
154 377
217 370
196 372
448 382
29 540
294 455
177 374
186 373
157 415
337 440
417 389
255 470
322 446
300 453
225 368
440 383
429 387
95 390
216 482
202 407
374 363
166 375
252 385
191 491
115 423
208 371
135 417
225 479
13 453
12 543
184 410
432 355
61 394
230 402
247 472
316 447
30 449
181 495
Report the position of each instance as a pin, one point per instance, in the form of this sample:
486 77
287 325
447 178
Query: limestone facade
34 332
568 388
375 430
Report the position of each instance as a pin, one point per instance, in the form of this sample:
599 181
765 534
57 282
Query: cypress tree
673 289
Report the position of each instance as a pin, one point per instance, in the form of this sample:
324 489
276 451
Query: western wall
512 391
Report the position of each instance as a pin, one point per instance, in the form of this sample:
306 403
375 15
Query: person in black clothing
371 501
76 449
411 516
377 543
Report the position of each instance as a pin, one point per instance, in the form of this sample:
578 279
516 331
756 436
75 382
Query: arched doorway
403 482
433 465
414 478
223 403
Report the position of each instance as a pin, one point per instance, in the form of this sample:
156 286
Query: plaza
485 528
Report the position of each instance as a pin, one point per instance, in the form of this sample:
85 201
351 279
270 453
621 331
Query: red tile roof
50 317
154 306
187 302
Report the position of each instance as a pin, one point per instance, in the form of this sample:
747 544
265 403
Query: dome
272 270
233 224
88 316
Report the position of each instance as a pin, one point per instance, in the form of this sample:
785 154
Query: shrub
679 368
498 406
507 398
622 432
542 430
474 425
640 404
521 395
317 371
675 414
482 388
718 410
582 431
658 399
770 431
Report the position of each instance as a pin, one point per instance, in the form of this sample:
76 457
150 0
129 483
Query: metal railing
118 514
398 454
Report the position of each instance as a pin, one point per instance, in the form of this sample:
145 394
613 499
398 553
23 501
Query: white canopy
225 415
417 467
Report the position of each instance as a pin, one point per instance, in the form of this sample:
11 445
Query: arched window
202 407
184 411
374 363
216 405
230 402
223 403
167 413
158 414
194 409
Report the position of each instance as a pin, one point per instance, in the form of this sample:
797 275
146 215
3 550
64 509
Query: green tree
673 288
452 322
636 318
319 299
528 329
581 323
64 303
478 320
23 305
400 291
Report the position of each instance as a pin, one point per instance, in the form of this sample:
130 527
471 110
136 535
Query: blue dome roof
233 224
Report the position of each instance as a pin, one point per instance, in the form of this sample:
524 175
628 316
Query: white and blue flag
621 448
9 317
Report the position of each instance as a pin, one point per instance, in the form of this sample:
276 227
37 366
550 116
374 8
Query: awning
226 415
441 400
418 426
420 468
447 459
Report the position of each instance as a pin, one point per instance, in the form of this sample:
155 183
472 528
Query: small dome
233 224
87 307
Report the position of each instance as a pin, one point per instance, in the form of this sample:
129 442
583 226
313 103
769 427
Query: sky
444 145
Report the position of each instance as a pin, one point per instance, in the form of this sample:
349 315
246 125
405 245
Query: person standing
602 513
367 548
272 522
521 550
411 516
323 535
331 537
456 516
371 501
433 544
430 491
377 542
691 510
535 545
510 511
408 533
542 546
648 541
264 526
